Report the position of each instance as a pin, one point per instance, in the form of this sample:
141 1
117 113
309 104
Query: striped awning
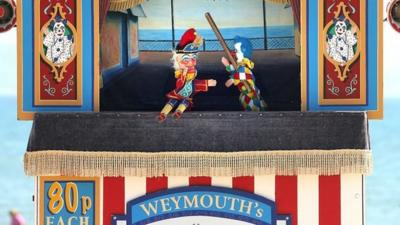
118 5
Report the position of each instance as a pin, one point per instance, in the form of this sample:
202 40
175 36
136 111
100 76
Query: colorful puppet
184 61
243 77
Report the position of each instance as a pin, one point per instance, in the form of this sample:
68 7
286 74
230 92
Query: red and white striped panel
310 199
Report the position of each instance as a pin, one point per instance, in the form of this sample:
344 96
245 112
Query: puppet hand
229 83
225 62
212 83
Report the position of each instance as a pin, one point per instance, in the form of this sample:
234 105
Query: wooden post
225 47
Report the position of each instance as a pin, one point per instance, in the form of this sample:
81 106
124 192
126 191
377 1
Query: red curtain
104 6
296 12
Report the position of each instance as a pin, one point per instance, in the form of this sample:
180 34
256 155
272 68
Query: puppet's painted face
238 51
59 29
340 27
187 61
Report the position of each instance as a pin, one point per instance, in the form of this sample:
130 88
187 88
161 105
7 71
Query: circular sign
7 15
393 11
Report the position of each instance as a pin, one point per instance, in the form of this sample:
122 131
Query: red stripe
154 184
329 200
199 181
286 196
243 183
113 198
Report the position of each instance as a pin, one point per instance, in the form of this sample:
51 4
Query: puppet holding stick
240 66
184 60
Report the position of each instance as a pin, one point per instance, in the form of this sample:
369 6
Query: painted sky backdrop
226 13
8 56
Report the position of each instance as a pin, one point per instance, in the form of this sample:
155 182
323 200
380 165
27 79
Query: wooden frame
27 115
38 53
373 114
361 55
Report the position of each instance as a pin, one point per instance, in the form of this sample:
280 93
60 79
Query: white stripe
265 186
307 199
178 181
101 188
351 197
222 181
134 188
36 203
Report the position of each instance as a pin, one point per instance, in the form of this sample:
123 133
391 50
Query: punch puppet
184 61
239 65
242 76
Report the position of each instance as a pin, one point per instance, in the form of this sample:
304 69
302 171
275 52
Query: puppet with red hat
184 61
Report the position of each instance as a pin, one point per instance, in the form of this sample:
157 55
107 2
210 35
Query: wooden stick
221 39
225 47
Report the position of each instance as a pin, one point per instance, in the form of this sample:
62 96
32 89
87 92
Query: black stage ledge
200 143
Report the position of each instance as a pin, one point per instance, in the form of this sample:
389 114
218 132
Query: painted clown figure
243 77
59 44
342 42
184 61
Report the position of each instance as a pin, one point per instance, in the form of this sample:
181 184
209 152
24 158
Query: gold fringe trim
252 163
119 5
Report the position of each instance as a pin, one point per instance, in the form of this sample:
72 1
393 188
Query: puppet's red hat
190 42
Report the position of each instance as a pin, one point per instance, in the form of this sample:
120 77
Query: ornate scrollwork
67 89
48 88
46 10
351 89
58 42
342 37
333 89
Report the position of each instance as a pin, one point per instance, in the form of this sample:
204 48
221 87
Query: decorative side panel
342 52
58 76
74 77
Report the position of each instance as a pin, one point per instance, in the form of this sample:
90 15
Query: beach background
246 18
382 187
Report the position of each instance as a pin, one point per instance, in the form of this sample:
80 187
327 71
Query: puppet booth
199 112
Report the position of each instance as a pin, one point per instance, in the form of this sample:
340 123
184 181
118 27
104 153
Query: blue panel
372 51
87 63
28 49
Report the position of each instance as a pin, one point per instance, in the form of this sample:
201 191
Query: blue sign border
211 213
